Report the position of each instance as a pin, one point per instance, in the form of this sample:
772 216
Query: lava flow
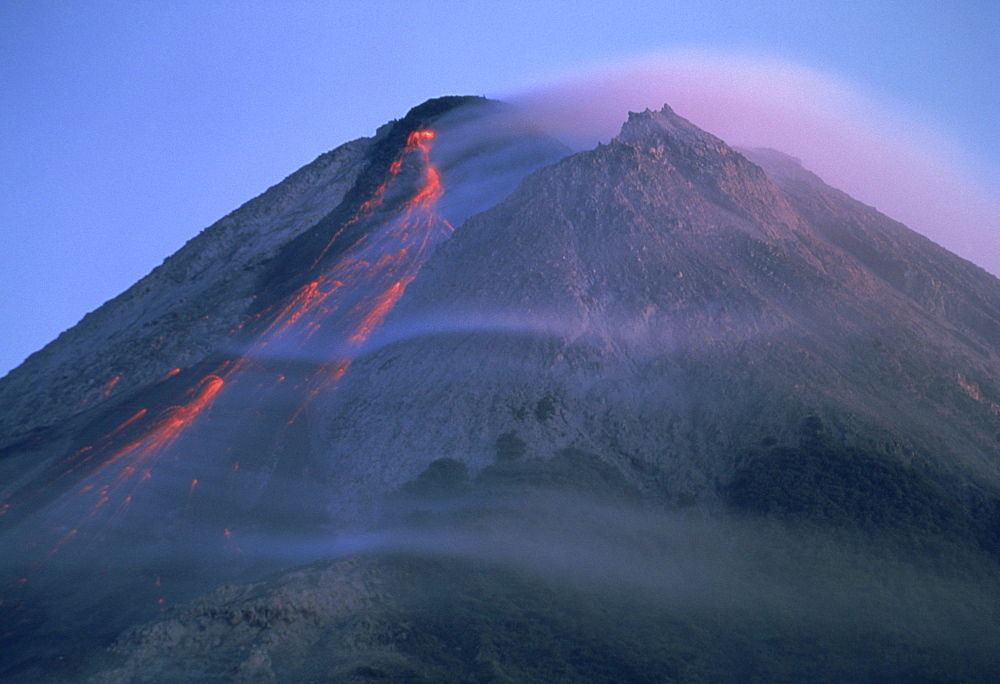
328 319
338 311
135 461
391 247
416 140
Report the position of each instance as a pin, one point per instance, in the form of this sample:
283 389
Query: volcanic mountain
454 403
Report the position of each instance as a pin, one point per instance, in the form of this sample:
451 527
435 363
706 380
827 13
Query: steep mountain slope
188 308
203 445
653 367
179 313
216 300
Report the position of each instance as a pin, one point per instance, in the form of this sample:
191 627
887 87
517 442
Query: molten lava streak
330 318
111 385
135 460
340 309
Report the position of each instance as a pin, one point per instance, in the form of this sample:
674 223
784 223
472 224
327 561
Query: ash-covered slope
663 302
182 311
191 306
937 280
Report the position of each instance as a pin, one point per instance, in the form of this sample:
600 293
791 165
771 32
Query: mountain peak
663 126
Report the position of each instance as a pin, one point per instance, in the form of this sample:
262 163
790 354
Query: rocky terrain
659 410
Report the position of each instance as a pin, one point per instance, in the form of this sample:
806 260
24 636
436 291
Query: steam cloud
883 157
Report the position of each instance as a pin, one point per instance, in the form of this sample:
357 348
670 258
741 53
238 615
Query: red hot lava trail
330 318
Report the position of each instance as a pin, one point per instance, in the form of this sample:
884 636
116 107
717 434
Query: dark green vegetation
559 570
445 492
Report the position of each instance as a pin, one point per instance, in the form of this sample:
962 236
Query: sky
127 127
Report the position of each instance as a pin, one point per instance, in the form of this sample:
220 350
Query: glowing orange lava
135 459
331 317
360 290
382 306
231 541
111 385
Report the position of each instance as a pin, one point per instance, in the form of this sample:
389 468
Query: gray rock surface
181 312
236 633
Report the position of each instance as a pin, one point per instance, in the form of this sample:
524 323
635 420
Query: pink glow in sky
874 151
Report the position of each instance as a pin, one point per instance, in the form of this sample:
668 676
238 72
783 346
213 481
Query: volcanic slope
189 307
179 313
150 440
667 304
650 333
218 300
662 414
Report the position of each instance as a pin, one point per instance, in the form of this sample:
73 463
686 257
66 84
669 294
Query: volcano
457 403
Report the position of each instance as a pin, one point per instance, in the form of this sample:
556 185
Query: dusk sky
127 127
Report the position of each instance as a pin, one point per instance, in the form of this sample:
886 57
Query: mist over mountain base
559 571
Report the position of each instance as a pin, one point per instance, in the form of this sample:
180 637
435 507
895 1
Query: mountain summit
455 403
664 276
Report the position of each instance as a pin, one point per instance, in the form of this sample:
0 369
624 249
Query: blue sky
126 127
